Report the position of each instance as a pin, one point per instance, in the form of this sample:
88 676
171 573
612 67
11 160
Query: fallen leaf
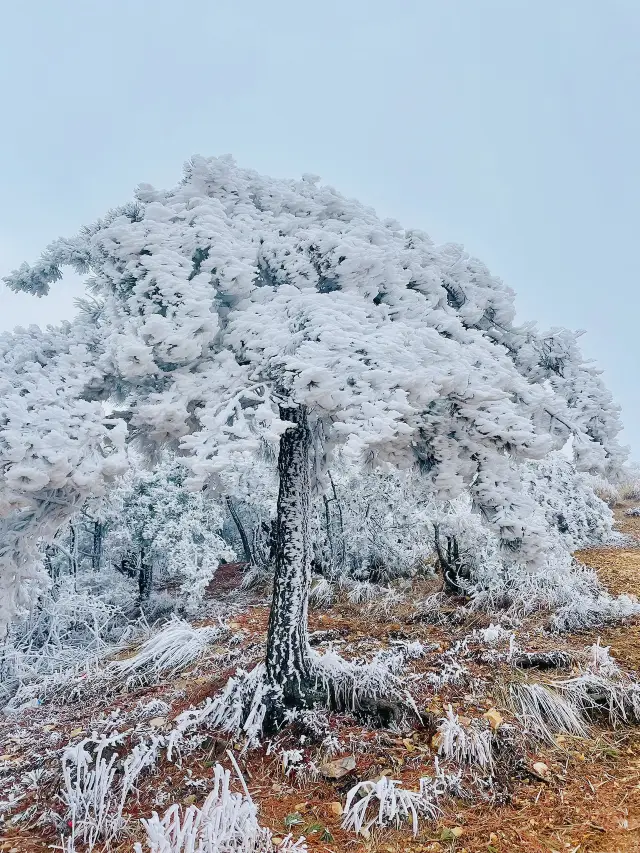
336 808
408 744
448 834
76 732
338 768
301 807
157 722
190 800
541 769
436 740
494 717
457 831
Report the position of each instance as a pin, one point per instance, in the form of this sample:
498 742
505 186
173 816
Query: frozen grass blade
545 712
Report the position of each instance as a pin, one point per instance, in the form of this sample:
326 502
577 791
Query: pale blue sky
511 126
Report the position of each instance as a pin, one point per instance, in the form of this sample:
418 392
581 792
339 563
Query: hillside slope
565 793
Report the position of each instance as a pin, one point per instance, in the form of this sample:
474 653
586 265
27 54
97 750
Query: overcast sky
511 126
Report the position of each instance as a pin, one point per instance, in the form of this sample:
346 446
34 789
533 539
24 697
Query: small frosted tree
162 528
235 312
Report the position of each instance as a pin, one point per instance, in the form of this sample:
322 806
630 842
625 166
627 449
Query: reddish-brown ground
590 803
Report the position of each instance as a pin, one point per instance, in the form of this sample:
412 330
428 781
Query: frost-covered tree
568 498
158 527
236 311
57 447
372 524
569 515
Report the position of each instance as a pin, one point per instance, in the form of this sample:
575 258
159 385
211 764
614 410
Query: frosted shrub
571 502
545 712
67 637
227 822
466 745
606 491
239 709
556 583
593 610
391 804
172 649
375 526
95 790
157 525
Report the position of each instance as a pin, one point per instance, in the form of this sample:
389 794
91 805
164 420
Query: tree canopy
214 306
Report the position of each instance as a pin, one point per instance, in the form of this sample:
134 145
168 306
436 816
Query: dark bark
128 565
335 499
53 570
145 576
327 523
246 547
543 660
96 556
451 564
287 639
73 558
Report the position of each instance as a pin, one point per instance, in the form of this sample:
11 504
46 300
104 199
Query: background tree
158 528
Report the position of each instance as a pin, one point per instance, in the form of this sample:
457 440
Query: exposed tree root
250 705
543 660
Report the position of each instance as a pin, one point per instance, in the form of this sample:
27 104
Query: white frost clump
493 634
464 745
227 822
291 758
92 790
173 648
392 803
545 712
601 661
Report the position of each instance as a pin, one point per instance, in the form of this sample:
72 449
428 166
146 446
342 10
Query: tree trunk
248 556
145 577
287 639
96 557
